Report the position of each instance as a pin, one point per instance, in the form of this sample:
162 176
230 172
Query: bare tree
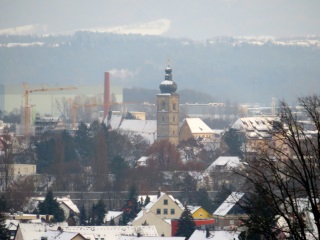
164 155
6 159
64 107
285 174
19 192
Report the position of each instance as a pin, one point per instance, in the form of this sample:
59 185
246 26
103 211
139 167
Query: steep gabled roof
111 215
228 204
196 125
153 200
228 162
146 128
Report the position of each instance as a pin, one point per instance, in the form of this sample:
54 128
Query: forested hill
235 69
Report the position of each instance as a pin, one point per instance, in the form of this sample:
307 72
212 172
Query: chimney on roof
106 102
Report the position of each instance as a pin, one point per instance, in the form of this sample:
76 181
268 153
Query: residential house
257 132
142 162
199 213
115 215
228 215
31 231
66 204
221 172
195 128
159 212
214 235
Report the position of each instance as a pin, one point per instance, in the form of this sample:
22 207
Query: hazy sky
195 19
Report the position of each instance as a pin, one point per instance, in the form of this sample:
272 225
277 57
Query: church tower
168 109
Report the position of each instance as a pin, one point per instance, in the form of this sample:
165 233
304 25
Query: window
162 119
172 211
174 119
158 211
165 211
173 106
165 202
163 105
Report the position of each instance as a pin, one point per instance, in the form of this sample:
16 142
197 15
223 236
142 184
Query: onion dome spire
168 85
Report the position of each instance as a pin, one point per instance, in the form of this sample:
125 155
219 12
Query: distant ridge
239 69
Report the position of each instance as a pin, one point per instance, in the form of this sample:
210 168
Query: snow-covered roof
61 200
111 215
151 238
226 206
38 230
153 200
167 82
214 235
142 161
112 232
193 209
68 202
196 125
228 162
146 128
255 127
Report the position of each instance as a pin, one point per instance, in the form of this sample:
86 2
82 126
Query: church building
168 109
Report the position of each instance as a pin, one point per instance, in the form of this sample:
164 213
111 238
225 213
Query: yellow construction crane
74 111
27 91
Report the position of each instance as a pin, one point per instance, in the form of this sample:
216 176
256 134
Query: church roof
196 125
168 85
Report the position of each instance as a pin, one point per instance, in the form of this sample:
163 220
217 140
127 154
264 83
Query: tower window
163 105
173 106
162 119
174 119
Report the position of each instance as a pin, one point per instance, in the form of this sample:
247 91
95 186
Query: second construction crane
28 91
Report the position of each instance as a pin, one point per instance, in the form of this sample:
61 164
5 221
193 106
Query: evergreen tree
188 188
83 216
112 222
83 143
146 201
186 225
131 206
234 139
51 206
203 200
4 232
98 213
262 222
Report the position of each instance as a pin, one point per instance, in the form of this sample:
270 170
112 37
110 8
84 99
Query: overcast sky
195 19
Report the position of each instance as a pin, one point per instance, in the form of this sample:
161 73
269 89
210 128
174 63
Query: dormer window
165 202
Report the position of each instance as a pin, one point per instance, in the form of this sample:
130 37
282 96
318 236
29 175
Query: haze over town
144 119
